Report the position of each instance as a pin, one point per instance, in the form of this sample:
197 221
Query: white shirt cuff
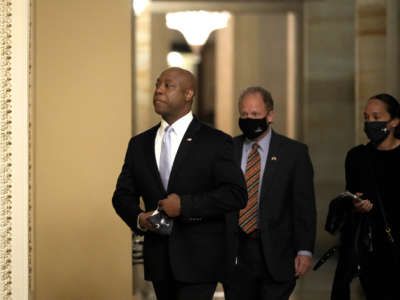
138 224
304 252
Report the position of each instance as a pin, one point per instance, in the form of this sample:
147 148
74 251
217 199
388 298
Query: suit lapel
186 145
271 164
238 152
238 146
150 156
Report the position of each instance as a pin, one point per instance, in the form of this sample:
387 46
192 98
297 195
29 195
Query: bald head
185 77
174 92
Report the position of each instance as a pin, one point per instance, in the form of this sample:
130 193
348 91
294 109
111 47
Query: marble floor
316 285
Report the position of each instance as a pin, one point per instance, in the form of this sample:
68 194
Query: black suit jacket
287 216
209 183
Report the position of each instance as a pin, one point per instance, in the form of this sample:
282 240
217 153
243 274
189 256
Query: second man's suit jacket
287 214
209 183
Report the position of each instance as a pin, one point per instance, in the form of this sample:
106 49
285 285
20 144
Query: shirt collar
263 143
180 126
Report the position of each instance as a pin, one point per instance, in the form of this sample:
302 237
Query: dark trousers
175 290
379 275
346 270
375 273
251 279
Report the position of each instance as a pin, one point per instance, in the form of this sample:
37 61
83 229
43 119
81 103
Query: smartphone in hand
352 196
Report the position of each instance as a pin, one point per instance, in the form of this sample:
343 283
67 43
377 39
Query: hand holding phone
360 205
354 197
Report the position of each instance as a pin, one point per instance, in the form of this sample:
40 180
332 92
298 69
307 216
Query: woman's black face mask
376 131
253 128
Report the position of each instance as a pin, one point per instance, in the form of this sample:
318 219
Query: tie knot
255 146
168 129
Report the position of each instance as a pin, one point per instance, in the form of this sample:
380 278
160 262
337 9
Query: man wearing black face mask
276 230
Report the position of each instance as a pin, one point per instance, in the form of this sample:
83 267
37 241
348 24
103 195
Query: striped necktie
249 215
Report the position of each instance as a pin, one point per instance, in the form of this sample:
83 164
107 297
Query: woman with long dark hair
370 239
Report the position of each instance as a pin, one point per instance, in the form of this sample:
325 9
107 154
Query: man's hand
144 223
302 264
171 205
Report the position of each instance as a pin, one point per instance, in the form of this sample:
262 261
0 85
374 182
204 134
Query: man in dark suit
277 227
186 169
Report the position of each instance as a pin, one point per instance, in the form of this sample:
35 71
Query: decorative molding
5 153
30 149
14 149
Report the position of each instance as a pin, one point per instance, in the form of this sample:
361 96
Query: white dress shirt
179 128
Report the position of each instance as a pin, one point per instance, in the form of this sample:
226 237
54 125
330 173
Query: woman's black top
371 171
365 249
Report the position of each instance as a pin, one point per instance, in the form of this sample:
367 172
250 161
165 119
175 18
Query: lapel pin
274 158
189 139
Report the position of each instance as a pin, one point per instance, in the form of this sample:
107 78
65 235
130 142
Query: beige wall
260 58
377 53
370 40
82 123
328 106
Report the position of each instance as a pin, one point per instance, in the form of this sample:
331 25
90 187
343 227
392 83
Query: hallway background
94 65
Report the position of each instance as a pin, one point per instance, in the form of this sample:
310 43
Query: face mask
253 128
376 131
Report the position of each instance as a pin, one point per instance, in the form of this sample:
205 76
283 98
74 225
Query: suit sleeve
304 211
126 197
229 192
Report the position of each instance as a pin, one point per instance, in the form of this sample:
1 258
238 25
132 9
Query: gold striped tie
248 216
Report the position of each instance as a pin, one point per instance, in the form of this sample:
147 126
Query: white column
143 107
292 76
225 104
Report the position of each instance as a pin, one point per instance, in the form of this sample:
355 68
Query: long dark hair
392 107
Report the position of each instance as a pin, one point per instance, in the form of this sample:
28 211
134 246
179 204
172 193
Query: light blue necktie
165 157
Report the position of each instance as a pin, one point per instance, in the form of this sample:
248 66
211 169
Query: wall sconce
196 26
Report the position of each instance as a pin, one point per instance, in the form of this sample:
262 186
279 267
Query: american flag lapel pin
274 158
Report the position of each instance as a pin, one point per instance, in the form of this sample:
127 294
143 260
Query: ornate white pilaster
14 149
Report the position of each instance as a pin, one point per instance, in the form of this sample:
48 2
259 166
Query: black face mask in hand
376 131
253 128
